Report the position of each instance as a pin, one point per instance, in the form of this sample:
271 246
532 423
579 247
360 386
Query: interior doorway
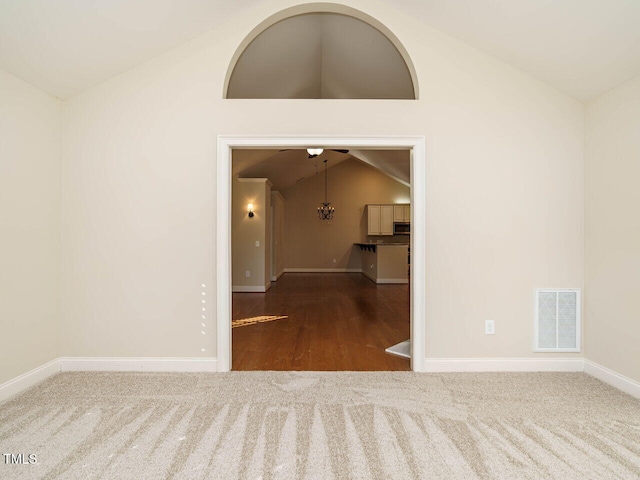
327 289
223 249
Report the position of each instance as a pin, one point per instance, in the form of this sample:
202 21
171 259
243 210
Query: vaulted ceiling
288 167
582 47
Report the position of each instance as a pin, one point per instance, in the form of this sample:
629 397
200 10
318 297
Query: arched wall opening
338 53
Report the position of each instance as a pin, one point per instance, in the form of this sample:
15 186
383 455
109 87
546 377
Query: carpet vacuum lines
320 425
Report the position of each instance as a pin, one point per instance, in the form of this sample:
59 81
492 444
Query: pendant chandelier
325 211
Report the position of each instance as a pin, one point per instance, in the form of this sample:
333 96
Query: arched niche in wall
321 51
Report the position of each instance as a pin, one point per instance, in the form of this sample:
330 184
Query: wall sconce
250 209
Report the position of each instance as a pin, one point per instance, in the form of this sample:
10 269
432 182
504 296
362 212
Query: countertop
371 246
383 244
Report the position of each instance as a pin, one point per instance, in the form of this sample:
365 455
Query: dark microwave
401 228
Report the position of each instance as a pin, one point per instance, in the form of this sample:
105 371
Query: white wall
612 229
313 244
278 208
246 231
504 190
29 227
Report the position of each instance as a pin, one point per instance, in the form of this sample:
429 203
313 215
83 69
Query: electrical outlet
334 260
489 327
247 274
257 243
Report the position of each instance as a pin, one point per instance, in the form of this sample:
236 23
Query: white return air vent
557 320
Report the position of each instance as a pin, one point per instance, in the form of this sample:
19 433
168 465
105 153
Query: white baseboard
203 364
29 379
254 289
434 365
368 275
614 379
276 277
345 270
381 281
322 270
138 364
392 280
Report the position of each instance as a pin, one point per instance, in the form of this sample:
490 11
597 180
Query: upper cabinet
380 219
402 213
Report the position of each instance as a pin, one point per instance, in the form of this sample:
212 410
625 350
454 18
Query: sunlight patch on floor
243 322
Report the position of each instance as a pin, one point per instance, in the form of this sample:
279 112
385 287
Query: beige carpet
322 425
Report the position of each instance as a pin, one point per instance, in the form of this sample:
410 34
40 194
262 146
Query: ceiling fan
314 152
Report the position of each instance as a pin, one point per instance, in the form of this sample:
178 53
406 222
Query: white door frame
226 143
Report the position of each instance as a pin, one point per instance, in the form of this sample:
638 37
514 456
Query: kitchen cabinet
380 219
402 213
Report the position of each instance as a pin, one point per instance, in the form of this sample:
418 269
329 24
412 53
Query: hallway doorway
414 302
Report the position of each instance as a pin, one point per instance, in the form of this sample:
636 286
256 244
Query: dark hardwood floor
336 321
